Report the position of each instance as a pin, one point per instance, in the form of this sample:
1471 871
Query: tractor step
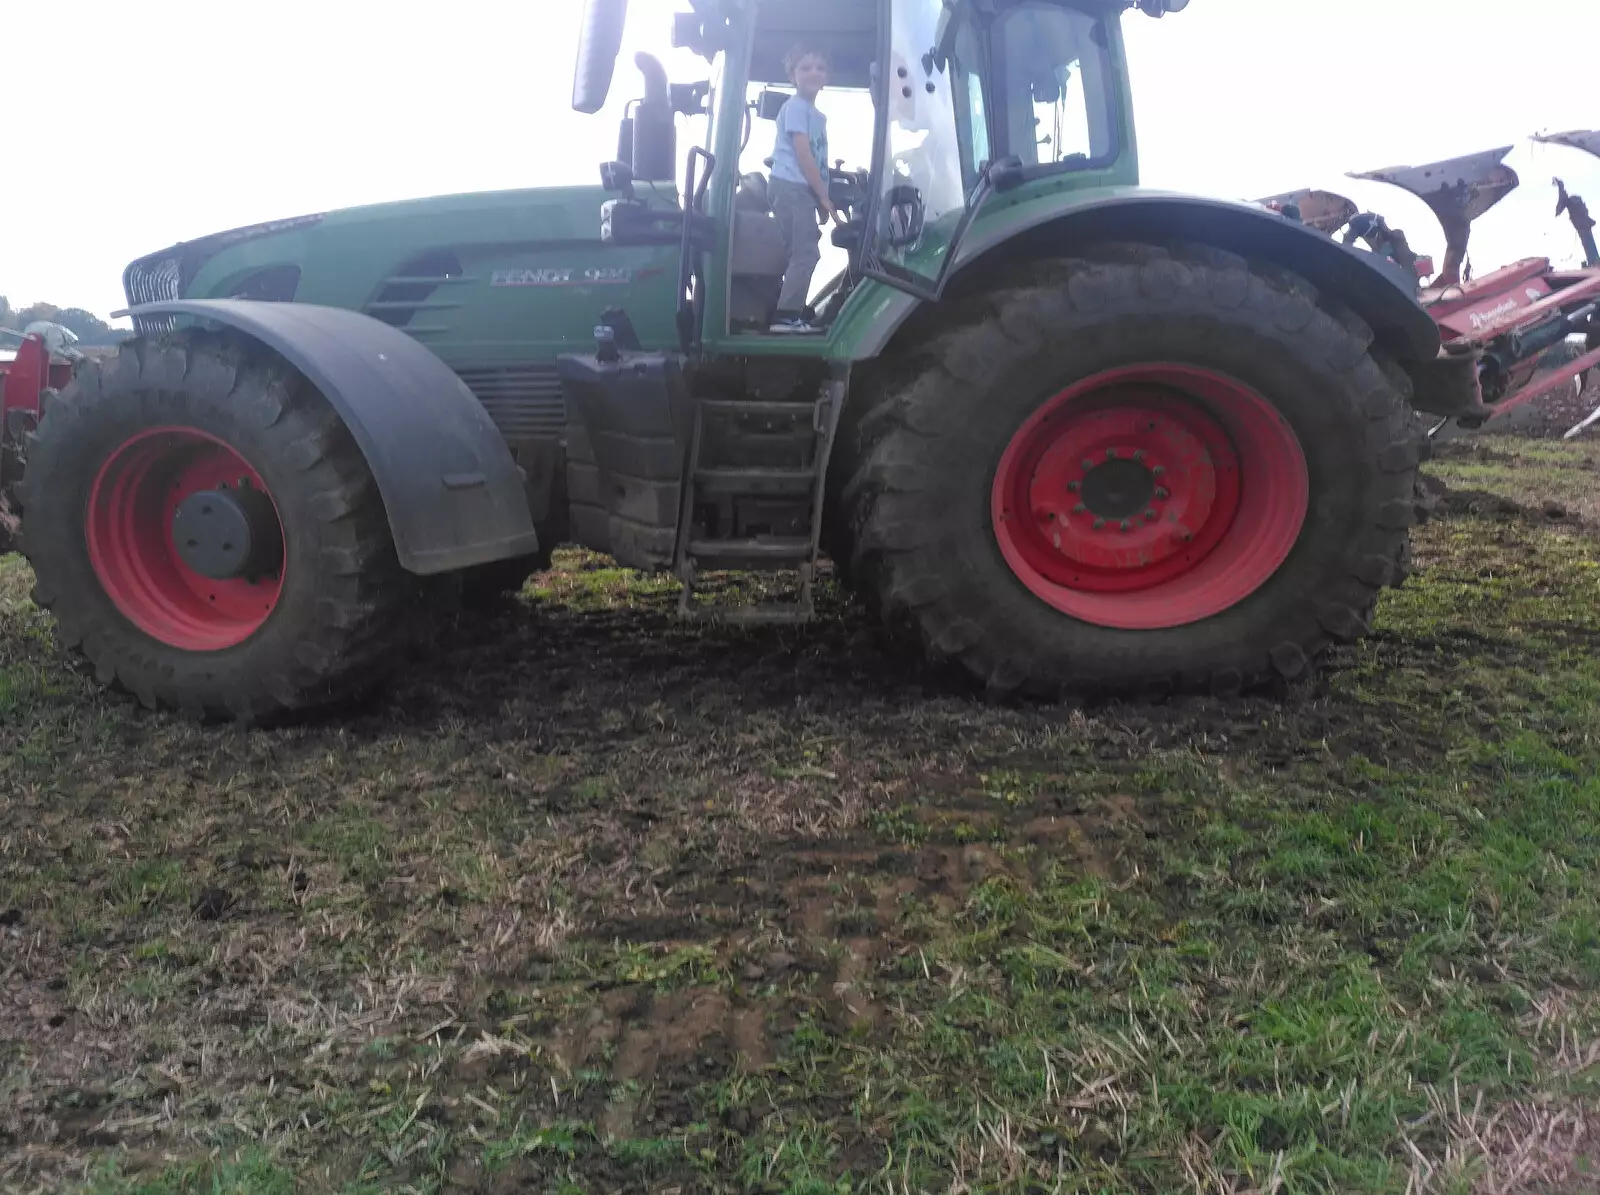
733 481
763 550
740 406
754 481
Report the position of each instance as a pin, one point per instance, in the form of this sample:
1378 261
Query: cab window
1059 98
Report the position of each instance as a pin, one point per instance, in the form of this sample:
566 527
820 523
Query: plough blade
1460 189
1326 211
1587 140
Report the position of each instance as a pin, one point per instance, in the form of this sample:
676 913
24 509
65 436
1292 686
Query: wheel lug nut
1162 493
1081 508
1138 454
1159 470
1111 454
1072 487
1099 523
1150 516
1087 463
1125 525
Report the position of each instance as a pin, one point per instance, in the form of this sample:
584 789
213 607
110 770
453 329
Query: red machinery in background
1534 328
25 374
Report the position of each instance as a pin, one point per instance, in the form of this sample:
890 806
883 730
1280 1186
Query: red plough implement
25 374
1533 329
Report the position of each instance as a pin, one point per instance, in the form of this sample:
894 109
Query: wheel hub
227 533
1118 489
1149 496
1117 492
185 539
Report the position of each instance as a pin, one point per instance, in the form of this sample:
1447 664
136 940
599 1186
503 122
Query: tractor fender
452 492
1374 288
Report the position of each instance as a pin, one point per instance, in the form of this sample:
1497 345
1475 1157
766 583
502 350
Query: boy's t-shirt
799 115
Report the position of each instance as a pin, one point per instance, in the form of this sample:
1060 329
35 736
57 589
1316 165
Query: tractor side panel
452 491
498 276
495 284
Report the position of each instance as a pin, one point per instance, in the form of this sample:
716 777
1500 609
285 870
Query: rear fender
1374 288
452 492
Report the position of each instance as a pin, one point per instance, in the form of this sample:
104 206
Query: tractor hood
484 276
373 257
270 260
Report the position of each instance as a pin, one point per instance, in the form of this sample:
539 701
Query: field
591 902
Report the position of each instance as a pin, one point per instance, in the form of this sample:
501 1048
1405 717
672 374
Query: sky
169 119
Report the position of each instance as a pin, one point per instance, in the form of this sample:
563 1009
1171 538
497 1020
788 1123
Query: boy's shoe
792 327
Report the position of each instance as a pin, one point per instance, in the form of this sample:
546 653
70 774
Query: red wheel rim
1148 497
133 507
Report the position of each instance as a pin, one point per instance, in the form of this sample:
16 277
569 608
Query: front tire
1145 471
206 532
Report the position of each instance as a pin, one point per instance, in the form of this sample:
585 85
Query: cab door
932 145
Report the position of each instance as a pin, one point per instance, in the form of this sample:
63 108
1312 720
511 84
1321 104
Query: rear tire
119 447
934 552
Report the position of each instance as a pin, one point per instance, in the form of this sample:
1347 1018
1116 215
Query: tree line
91 330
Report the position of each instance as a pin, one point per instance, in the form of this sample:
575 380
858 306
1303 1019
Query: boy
800 183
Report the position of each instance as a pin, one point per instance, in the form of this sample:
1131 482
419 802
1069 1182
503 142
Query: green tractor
1075 435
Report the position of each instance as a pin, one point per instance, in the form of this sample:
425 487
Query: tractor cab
932 108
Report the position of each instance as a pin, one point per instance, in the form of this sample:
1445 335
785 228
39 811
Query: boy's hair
797 54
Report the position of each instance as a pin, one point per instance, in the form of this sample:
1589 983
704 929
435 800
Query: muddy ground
592 901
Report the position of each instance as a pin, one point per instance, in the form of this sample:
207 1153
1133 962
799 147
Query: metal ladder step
754 481
738 406
766 549
760 552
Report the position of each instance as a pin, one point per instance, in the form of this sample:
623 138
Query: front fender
1374 288
452 492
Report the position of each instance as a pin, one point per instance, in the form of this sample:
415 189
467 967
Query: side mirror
769 103
904 213
655 128
599 43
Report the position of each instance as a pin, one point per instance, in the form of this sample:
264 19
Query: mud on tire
916 475
342 614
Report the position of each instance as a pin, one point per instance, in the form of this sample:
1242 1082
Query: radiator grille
525 401
154 280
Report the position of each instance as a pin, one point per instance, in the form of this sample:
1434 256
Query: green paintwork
347 256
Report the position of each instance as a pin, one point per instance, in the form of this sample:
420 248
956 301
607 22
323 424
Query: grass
594 901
